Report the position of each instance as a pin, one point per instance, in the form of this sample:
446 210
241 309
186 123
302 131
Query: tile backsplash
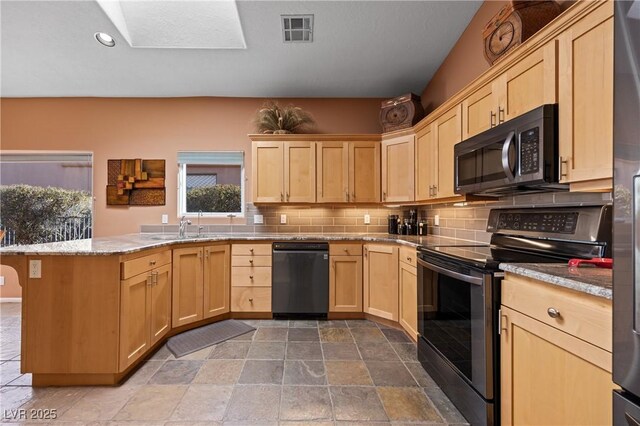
465 222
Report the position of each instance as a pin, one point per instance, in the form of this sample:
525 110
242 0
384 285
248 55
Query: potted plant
272 118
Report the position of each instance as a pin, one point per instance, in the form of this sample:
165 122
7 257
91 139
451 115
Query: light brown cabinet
145 315
251 277
284 172
585 91
398 169
554 362
345 277
434 170
529 83
200 283
447 130
426 163
408 291
348 172
381 281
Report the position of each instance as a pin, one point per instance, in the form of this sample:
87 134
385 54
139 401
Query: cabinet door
398 169
364 172
268 172
187 286
381 281
345 284
216 280
409 299
528 84
549 377
134 318
426 164
585 92
160 316
447 133
333 172
480 110
300 172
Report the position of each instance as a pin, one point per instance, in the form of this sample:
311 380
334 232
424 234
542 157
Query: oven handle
505 155
452 274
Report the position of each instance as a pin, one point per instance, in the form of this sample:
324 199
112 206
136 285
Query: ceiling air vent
297 28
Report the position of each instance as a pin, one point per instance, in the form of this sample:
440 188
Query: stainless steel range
459 295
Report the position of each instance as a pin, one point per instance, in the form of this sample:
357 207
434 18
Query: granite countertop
586 279
131 243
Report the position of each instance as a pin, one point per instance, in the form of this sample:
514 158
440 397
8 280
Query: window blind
221 158
41 157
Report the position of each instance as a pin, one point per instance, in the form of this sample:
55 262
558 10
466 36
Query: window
45 196
211 182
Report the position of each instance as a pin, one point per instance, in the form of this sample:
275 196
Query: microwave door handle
452 274
505 155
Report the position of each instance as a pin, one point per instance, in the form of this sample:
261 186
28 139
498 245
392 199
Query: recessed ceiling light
105 39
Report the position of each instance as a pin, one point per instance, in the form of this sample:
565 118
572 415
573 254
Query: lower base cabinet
200 283
408 277
145 313
345 277
381 281
549 375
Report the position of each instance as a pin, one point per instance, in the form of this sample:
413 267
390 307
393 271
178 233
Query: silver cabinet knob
553 313
251 299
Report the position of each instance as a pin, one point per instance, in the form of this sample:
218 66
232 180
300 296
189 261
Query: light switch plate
436 220
283 219
1 280
35 269
165 219
367 219
258 219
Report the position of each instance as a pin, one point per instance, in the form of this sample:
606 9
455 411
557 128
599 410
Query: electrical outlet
367 219
436 220
283 219
165 219
35 269
258 219
1 280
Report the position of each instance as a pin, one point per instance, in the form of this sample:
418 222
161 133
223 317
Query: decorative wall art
136 182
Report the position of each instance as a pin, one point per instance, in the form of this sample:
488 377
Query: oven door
456 318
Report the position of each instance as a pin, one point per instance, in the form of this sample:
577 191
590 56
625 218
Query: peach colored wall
115 128
465 62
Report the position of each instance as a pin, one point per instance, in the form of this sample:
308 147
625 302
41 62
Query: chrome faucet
182 227
200 227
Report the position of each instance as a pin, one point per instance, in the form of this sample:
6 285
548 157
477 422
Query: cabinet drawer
137 266
251 261
581 315
408 255
250 277
251 299
345 249
251 249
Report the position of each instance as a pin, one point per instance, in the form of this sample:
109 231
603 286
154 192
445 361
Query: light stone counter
131 243
586 279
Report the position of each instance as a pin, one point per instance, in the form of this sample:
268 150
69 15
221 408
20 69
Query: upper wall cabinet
527 84
398 169
348 172
434 171
284 172
586 101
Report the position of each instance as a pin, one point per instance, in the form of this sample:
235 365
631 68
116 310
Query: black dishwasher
300 279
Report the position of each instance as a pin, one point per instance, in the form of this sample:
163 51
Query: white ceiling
359 49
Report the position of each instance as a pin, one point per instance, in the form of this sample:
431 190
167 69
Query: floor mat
199 338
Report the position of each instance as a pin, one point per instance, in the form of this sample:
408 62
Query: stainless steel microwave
520 155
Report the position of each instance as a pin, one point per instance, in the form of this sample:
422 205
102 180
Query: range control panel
562 223
530 151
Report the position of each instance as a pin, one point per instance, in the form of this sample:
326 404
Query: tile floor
284 373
